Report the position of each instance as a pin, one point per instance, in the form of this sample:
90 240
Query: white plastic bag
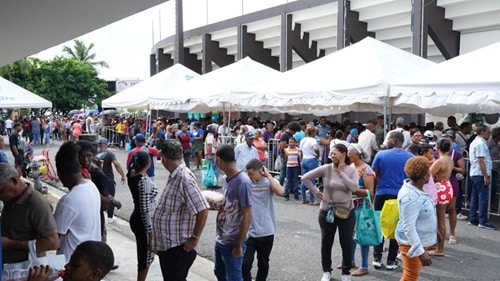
19 271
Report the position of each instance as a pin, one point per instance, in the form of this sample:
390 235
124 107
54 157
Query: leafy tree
83 53
68 83
22 67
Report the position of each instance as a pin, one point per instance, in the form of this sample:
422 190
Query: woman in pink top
339 182
261 145
77 129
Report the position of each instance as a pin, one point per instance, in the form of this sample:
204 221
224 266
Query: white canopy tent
138 95
13 96
211 91
355 78
464 84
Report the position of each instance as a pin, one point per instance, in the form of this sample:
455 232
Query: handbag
368 232
341 211
20 270
337 211
209 179
389 217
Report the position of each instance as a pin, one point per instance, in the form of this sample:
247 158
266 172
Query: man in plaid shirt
180 216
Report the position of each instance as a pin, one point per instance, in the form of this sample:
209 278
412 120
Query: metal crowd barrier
114 138
226 140
467 188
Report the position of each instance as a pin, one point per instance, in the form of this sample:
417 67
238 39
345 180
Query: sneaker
487 225
391 265
346 277
327 276
377 263
473 223
462 217
111 220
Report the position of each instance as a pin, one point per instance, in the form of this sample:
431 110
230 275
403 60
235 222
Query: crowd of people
333 165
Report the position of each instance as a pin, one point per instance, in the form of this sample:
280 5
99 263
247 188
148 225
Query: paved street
296 254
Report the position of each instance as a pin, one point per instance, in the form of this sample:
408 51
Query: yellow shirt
120 128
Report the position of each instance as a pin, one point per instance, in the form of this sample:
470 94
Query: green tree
22 67
83 53
68 83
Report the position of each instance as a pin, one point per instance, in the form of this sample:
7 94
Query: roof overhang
31 26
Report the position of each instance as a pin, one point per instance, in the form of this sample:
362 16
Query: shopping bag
277 164
19 271
389 217
209 179
368 232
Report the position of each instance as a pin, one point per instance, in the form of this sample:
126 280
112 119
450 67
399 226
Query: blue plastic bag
368 231
209 179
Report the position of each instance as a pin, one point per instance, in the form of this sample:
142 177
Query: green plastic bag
209 179
368 232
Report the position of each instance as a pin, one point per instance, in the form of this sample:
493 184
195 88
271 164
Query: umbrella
73 112
93 111
109 112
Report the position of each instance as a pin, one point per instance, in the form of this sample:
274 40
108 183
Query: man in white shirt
400 122
77 214
89 123
368 141
245 151
8 125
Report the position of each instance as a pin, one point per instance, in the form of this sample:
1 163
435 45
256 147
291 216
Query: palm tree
23 66
82 53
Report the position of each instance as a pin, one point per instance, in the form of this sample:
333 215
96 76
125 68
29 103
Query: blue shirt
323 130
417 225
3 157
479 148
244 153
389 165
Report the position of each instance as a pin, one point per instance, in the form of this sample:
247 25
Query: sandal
435 253
452 240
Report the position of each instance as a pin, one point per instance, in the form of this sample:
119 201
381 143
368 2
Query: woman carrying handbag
339 181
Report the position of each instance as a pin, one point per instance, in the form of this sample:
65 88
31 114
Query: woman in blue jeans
366 183
310 159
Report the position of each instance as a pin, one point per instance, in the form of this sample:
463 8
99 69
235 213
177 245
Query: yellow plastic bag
389 217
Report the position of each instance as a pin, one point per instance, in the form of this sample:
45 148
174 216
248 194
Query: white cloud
126 44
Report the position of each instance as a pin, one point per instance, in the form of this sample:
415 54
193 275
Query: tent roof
138 95
211 90
354 78
14 96
467 83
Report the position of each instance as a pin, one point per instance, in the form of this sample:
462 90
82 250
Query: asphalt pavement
296 251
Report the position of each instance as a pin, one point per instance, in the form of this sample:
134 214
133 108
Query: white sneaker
111 220
346 277
327 276
461 217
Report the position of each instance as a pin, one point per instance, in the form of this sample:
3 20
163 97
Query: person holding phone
263 223
340 180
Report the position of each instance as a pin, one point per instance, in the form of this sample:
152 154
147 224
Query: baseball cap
249 135
103 140
428 134
140 137
400 120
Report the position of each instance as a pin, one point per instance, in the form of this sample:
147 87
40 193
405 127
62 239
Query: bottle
22 274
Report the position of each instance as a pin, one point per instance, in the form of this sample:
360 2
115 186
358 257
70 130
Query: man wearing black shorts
17 148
